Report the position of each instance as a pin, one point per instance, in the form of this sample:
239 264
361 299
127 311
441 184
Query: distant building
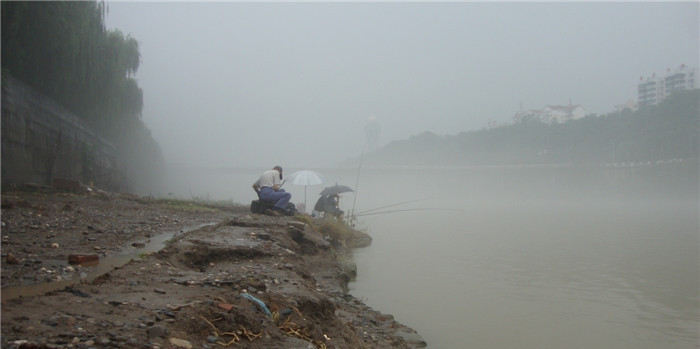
552 114
653 89
372 133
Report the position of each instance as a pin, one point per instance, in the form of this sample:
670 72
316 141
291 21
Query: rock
11 259
160 291
49 323
180 343
55 245
155 331
82 258
385 317
412 338
138 245
225 306
298 225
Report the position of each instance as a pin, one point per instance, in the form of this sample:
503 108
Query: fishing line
411 209
390 205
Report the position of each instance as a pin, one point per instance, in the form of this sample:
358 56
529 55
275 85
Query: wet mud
248 281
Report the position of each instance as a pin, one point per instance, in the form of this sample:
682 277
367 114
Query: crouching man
268 189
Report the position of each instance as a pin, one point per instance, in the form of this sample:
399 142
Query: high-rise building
653 89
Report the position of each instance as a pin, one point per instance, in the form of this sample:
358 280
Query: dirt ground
223 277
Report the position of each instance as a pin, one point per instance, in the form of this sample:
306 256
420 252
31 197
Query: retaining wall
43 143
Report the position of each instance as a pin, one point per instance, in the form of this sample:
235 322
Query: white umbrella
305 178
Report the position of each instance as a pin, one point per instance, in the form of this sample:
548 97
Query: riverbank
226 277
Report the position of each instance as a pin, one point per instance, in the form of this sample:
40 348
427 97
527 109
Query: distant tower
372 131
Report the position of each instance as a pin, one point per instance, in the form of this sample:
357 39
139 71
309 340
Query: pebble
11 259
180 343
155 331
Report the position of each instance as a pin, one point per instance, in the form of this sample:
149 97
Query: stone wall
44 143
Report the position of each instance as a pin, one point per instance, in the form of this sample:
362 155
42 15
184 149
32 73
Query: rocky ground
224 278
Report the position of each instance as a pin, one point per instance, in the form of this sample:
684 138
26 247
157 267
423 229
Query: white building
653 89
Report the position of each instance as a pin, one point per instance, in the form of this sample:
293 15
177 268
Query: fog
484 257
521 257
231 84
534 258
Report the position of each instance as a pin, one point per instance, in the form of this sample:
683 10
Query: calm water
548 266
524 257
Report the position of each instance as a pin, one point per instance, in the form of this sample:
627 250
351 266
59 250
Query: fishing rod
357 184
409 209
390 205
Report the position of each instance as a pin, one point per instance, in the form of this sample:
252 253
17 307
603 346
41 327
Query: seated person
268 189
330 205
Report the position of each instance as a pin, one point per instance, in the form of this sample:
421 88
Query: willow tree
62 49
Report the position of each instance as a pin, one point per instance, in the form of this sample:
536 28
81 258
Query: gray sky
256 84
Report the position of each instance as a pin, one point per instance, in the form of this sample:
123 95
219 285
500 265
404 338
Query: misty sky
257 84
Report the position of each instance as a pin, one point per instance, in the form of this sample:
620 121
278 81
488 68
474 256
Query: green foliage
666 131
62 49
336 230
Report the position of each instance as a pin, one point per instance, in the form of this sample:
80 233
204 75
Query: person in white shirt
268 187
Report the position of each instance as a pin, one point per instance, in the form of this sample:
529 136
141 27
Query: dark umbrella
336 189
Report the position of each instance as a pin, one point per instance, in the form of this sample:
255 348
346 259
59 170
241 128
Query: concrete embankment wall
44 143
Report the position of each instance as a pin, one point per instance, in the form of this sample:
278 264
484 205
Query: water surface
545 266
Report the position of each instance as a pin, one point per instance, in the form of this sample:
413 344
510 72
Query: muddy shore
221 277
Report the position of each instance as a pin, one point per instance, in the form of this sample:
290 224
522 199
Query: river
528 257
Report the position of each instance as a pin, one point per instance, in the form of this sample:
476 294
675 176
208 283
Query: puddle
95 269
